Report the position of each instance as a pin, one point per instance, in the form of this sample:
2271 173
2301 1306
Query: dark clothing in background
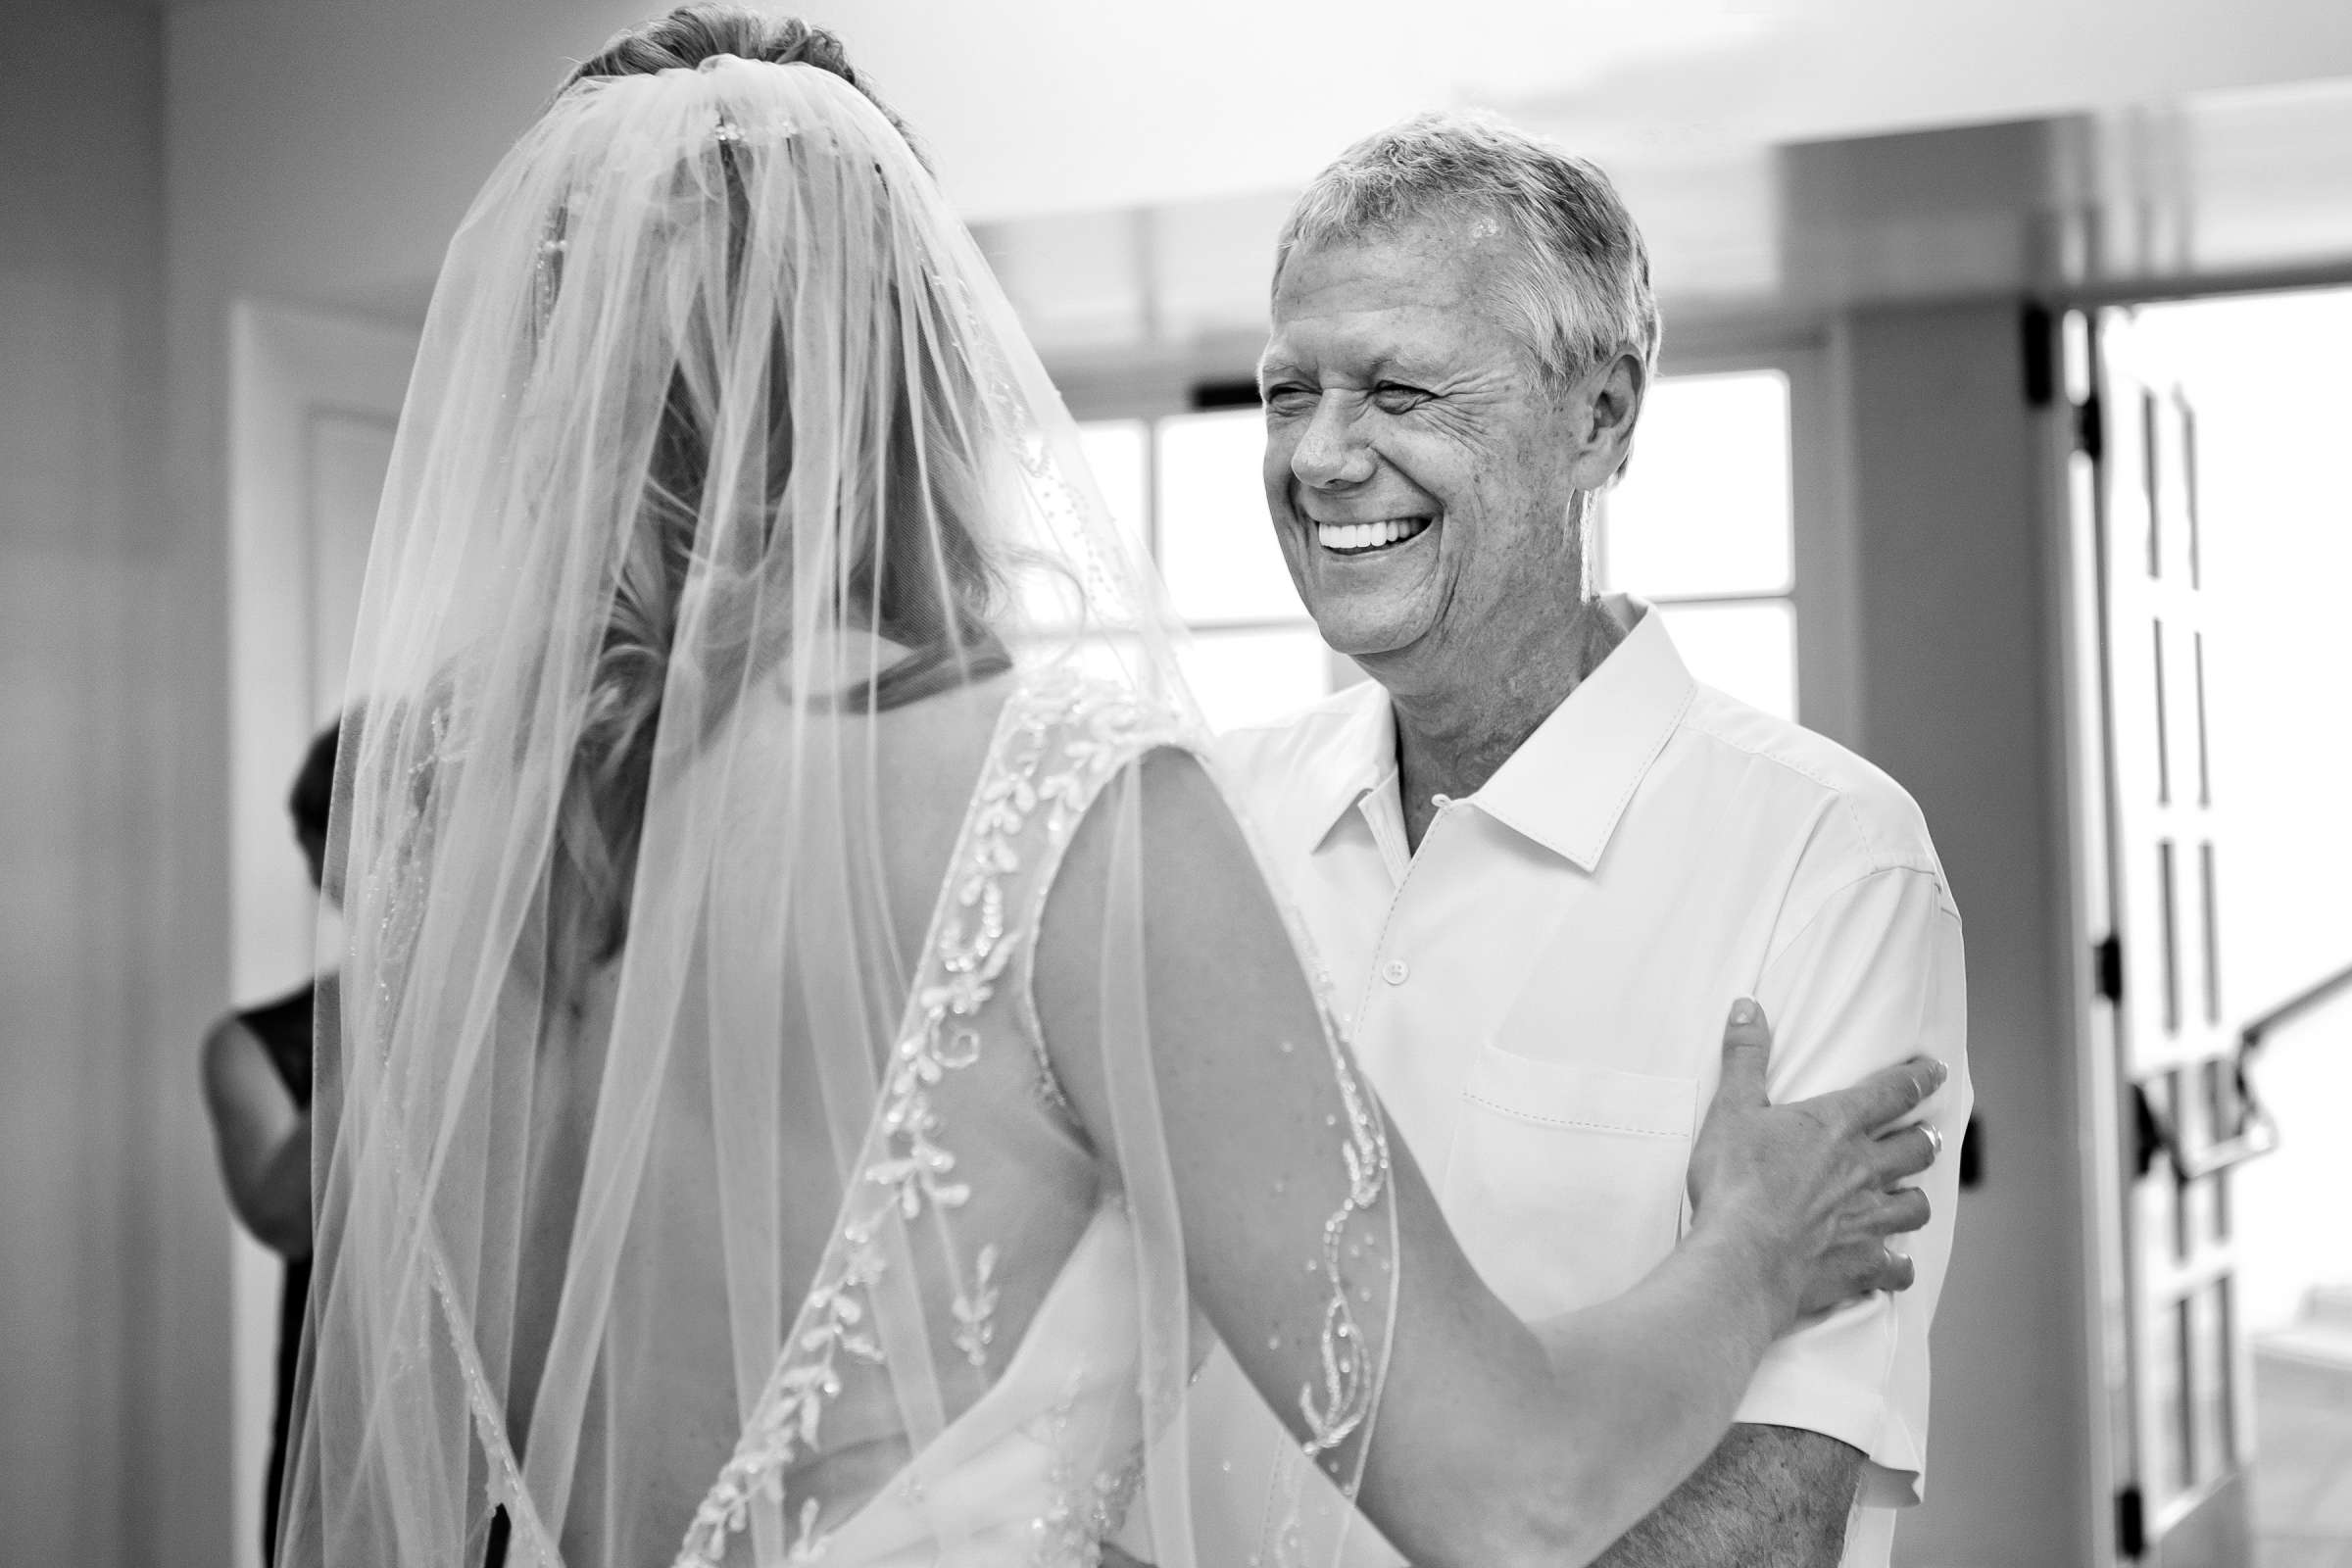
283 1027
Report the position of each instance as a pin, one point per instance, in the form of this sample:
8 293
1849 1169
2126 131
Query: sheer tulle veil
726 494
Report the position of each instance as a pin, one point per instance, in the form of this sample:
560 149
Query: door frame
290 369
2206 1522
2079 723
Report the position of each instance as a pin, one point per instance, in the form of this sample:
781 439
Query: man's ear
1603 406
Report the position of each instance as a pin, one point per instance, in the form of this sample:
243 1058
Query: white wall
105 1191
322 152
1179 103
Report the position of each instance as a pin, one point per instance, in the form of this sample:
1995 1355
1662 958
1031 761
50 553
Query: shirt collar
1569 783
1358 757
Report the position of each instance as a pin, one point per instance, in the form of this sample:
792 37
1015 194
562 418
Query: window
1702 526
1188 484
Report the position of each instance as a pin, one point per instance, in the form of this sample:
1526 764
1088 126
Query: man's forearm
1766 1497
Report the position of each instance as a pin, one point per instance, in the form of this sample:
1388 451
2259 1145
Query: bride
820 1063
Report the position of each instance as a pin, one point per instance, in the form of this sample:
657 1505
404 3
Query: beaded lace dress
978 1173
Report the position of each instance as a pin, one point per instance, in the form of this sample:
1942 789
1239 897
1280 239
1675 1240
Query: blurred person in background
256 1086
1530 845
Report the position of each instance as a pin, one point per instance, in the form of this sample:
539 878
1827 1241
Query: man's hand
1822 1172
1766 1497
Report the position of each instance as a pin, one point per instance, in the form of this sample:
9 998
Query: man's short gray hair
1580 283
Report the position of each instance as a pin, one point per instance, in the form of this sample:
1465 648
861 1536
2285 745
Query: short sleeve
1872 974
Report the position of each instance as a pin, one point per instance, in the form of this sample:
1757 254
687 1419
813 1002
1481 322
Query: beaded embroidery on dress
1060 1435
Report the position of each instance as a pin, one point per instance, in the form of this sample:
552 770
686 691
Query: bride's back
875 853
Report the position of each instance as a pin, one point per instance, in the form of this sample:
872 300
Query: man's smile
1363 538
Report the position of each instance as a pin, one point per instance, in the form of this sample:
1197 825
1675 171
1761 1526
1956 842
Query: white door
2183 1118
313 403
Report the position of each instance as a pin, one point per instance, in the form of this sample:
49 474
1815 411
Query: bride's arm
1489 1450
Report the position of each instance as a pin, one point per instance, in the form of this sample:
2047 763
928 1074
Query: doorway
2214 515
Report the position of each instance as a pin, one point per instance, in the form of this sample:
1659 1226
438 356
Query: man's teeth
1367 535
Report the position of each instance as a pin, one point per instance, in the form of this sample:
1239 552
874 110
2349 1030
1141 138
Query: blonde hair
929 593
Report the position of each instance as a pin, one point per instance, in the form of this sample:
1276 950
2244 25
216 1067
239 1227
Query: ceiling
1058 104
1128 160
1044 105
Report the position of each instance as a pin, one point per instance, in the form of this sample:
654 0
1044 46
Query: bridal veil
730 516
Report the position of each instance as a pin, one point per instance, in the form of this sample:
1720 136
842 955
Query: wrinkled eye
1394 396
1290 400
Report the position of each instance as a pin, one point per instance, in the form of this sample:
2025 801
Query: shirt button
1396 971
1441 801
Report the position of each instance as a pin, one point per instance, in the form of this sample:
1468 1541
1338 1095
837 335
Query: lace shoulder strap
1066 736
1071 737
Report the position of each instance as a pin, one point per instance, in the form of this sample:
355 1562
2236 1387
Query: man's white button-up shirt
1538 992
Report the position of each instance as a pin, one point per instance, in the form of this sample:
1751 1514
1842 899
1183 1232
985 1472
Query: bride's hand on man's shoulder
1817 1182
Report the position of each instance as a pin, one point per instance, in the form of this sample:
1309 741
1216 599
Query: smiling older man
1537 857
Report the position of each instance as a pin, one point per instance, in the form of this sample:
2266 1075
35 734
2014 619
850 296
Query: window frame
1823 562
1150 399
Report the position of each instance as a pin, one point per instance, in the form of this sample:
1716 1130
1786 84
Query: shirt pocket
1565 1183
